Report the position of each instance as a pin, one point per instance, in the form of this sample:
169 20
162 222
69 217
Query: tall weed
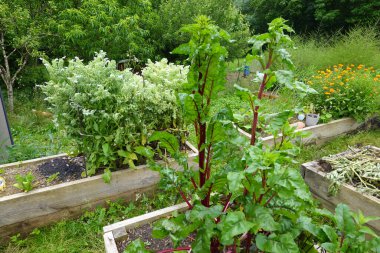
360 45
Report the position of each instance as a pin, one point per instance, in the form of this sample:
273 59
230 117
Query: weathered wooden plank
319 133
318 184
31 161
22 212
120 228
109 243
191 146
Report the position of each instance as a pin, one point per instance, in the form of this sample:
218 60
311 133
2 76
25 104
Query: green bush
32 76
109 112
346 91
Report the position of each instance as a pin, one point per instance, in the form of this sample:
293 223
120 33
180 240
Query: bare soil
68 169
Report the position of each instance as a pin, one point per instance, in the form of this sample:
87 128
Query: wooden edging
118 231
319 133
31 161
22 212
316 179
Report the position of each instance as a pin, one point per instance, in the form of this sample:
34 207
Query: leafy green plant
345 232
24 182
244 195
52 177
346 91
109 113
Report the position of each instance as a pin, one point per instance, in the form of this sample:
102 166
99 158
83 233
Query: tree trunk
5 70
10 98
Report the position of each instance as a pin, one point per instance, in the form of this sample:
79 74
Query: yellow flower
331 84
332 90
325 88
340 65
327 93
339 77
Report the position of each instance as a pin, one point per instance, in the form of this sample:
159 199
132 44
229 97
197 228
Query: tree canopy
307 16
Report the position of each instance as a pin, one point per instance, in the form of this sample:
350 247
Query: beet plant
245 196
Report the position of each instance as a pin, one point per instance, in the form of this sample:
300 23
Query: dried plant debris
358 167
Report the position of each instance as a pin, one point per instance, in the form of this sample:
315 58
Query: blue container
246 71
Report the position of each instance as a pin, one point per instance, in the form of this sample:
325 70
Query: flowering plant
346 91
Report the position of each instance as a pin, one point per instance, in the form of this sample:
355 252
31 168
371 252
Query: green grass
339 144
359 46
33 135
84 234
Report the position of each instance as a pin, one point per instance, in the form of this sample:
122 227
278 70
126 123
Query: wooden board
31 161
318 184
118 230
22 212
109 243
319 133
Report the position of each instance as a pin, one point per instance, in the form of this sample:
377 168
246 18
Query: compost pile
358 167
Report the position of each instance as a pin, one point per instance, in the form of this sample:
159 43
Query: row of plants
110 114
245 197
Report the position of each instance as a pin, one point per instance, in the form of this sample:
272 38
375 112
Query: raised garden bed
22 212
319 133
315 175
116 233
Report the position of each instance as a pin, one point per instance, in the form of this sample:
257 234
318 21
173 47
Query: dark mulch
144 233
69 168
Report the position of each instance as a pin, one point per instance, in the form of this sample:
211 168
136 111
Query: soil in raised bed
68 169
144 233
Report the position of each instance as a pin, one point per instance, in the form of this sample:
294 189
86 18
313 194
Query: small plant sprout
52 177
24 182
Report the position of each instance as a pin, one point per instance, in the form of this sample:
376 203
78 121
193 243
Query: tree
337 14
300 13
173 14
307 16
93 25
18 42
